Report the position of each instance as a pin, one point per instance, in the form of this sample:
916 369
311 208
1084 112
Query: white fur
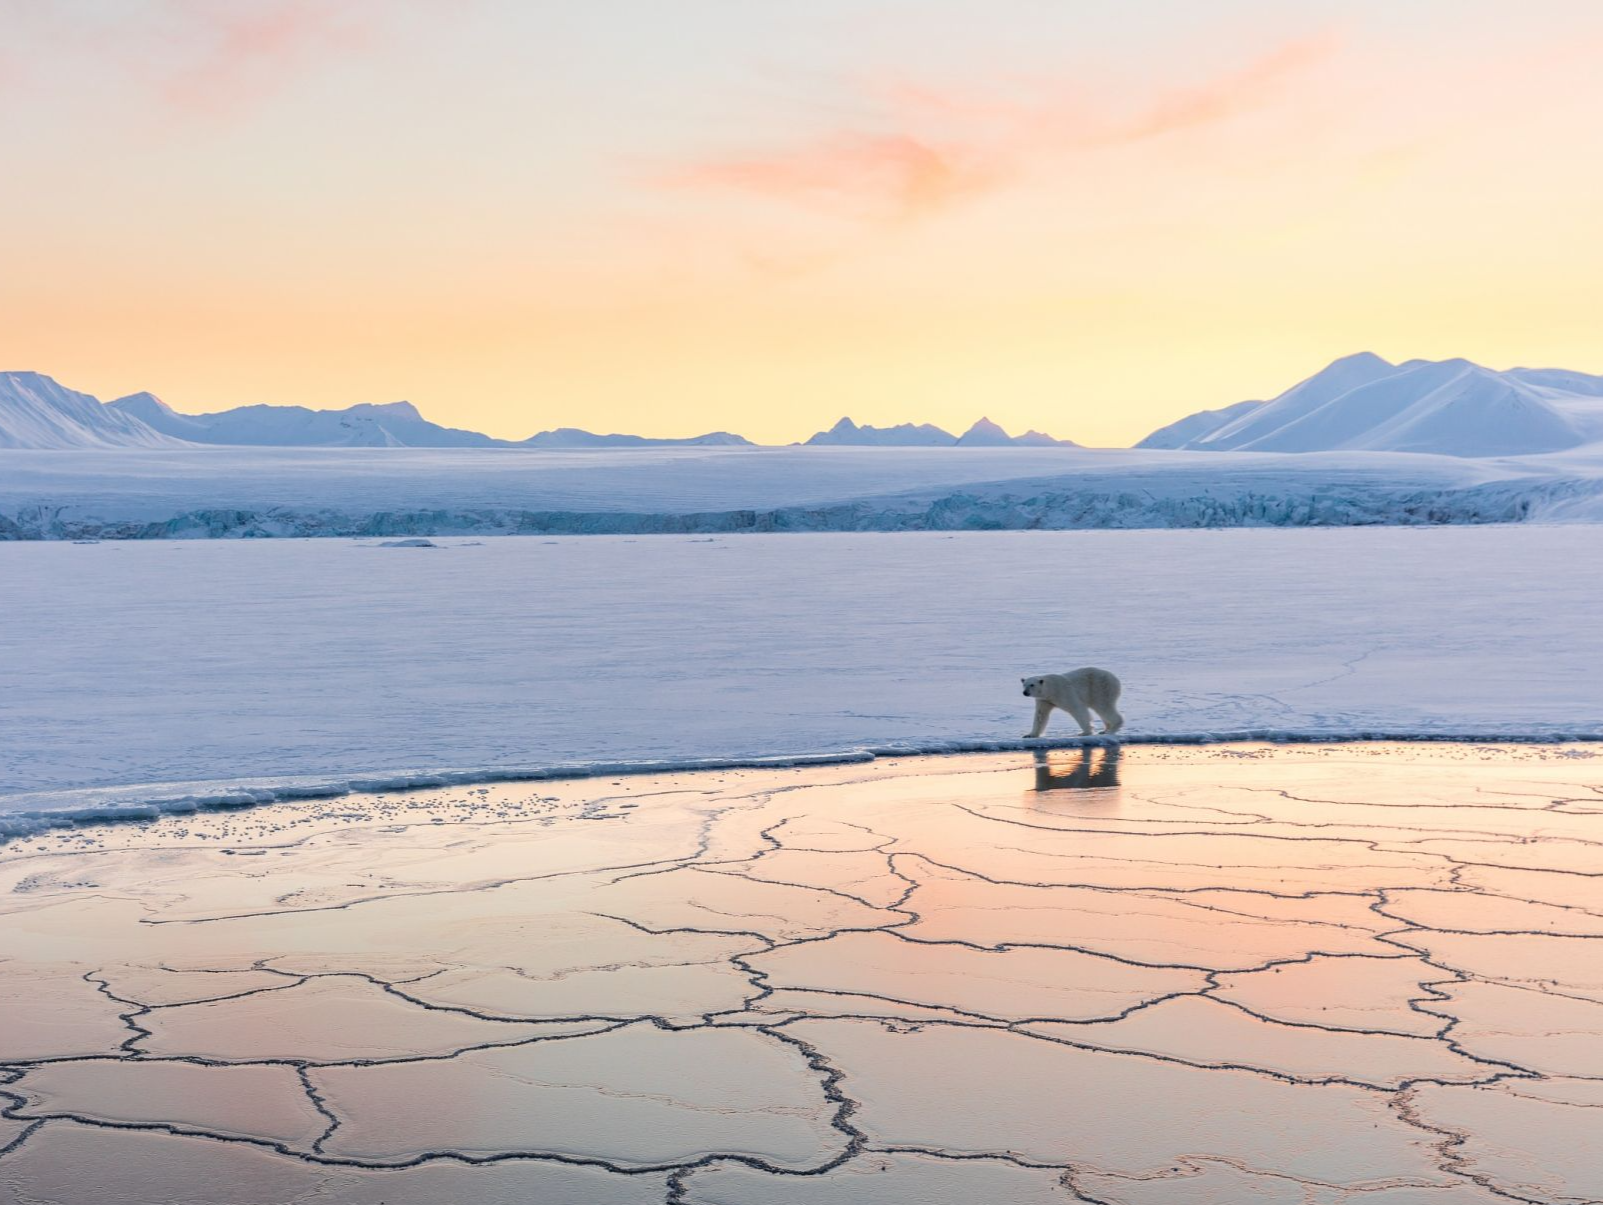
1078 692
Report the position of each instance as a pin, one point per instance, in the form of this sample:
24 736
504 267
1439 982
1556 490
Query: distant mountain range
387 425
574 437
390 425
1359 403
983 434
1364 403
36 412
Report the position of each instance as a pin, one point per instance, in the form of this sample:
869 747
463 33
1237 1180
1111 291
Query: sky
675 216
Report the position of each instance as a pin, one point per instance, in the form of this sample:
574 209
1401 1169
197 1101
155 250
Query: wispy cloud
899 176
221 54
934 148
198 57
1230 95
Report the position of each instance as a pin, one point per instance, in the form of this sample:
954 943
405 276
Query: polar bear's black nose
1025 692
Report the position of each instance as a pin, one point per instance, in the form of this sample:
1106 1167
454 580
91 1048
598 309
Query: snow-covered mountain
1364 403
1561 379
986 434
1181 433
983 434
903 435
574 437
36 412
388 425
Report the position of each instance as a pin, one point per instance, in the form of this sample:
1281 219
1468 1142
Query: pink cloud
938 147
1230 95
202 57
222 54
898 176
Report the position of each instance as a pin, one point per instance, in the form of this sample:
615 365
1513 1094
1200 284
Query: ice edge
116 804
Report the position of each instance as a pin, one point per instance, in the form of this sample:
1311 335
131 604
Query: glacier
291 492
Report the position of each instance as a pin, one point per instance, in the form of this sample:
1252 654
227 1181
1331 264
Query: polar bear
1078 692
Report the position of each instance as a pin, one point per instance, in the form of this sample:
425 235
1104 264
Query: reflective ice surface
1299 976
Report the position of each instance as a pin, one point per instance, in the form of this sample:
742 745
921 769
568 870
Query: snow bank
140 677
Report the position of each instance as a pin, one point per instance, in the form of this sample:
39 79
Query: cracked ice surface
1290 975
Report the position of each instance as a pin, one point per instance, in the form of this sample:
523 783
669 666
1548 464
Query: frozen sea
177 673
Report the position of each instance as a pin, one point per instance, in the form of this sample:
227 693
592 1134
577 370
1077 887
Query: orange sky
1081 218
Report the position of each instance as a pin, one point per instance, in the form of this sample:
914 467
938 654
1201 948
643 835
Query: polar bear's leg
1043 709
1082 717
1106 702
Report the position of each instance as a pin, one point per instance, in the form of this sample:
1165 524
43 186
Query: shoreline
134 802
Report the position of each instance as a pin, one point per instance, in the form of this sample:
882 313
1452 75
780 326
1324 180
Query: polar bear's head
1032 687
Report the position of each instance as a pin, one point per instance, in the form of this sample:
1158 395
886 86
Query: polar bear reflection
1086 769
